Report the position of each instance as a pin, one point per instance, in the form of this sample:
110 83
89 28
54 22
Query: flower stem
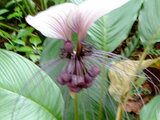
101 96
25 14
76 107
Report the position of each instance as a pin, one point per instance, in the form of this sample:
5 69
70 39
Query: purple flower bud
74 80
60 81
66 77
68 46
71 65
88 78
80 80
70 84
75 89
87 85
94 71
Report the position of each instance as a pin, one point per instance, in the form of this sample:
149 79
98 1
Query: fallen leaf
122 79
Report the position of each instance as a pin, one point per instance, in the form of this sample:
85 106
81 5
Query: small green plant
20 42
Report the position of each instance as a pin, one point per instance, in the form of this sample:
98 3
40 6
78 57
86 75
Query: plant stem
143 55
43 4
25 14
28 3
15 29
76 107
101 96
120 112
84 110
27 7
9 27
38 4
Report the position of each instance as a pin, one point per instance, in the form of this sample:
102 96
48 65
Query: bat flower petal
88 12
52 22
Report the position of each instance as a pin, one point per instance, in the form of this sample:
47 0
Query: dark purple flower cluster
76 74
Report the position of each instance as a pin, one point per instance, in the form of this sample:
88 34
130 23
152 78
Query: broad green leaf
114 27
3 11
151 111
111 29
25 49
40 98
51 51
131 47
149 25
35 40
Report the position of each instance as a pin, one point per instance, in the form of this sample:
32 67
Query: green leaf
139 82
4 34
9 3
110 30
25 32
3 11
51 50
149 25
18 41
25 49
154 52
35 40
151 111
59 1
13 35
10 16
39 48
22 25
34 58
12 2
44 102
9 46
2 18
133 43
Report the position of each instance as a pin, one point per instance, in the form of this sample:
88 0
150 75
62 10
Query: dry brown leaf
121 81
